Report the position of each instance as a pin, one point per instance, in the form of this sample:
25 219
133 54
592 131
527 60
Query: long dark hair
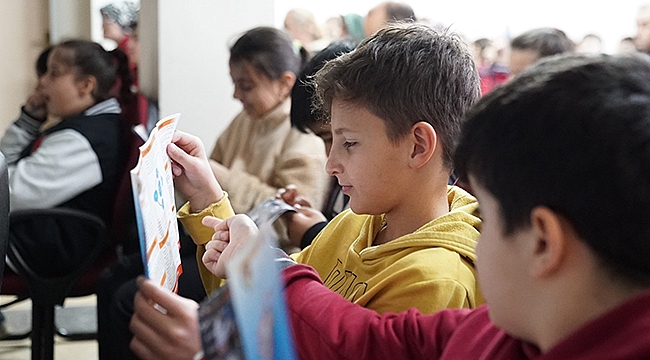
110 69
270 51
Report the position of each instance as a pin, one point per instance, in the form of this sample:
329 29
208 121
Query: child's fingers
280 192
187 143
210 257
220 235
287 194
174 304
213 222
216 245
175 153
177 170
301 201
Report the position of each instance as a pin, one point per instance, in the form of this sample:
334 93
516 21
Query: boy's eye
349 144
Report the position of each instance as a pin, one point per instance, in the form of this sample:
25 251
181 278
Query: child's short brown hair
405 74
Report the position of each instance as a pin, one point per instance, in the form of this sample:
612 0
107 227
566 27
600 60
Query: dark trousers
116 292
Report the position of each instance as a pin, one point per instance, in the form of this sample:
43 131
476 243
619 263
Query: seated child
259 152
76 163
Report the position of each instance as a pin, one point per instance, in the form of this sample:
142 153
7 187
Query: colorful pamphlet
155 208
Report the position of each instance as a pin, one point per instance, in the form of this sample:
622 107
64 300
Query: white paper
153 193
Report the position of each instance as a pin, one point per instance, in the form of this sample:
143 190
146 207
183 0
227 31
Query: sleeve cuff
192 221
28 122
311 233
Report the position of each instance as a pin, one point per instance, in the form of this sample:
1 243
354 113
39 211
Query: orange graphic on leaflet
153 246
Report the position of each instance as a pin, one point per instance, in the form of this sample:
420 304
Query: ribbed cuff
311 233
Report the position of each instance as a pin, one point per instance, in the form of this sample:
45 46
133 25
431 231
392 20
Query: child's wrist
200 203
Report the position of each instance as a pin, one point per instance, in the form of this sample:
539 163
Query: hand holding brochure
153 194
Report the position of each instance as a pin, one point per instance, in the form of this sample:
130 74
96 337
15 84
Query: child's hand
230 236
192 173
291 196
35 106
298 223
172 334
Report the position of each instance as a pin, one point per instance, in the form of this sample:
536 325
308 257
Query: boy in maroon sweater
560 162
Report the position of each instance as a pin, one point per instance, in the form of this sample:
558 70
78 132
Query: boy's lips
346 189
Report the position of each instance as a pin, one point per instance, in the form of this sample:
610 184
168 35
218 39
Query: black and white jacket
76 163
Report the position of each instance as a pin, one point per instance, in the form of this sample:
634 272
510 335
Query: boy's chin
362 210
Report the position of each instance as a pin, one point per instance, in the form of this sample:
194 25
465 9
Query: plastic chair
47 291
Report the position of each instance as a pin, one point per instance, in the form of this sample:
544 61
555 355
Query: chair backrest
60 220
4 212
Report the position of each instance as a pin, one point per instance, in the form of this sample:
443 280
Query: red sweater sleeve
327 326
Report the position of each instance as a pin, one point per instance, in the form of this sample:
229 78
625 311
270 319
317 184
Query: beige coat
265 154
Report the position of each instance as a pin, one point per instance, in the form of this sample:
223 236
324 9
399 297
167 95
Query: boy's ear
424 141
552 234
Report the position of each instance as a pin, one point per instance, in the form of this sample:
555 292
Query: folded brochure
155 208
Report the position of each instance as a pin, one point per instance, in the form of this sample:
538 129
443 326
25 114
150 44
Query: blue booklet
254 299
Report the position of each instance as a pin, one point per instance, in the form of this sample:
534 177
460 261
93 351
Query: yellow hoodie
429 269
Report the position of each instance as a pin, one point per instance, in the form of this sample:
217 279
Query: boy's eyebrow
340 131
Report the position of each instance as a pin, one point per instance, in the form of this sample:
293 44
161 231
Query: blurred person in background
535 44
589 45
303 29
385 13
259 152
626 46
348 27
117 19
492 73
642 38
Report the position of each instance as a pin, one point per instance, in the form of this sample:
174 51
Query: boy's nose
332 166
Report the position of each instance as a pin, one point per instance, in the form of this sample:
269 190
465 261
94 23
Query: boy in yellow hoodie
395 105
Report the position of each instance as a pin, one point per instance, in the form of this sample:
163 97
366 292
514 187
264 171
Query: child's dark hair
90 59
405 74
302 113
41 62
544 41
269 50
571 134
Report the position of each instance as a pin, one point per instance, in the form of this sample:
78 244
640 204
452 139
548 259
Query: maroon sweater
326 326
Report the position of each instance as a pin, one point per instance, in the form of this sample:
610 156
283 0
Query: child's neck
578 303
412 215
